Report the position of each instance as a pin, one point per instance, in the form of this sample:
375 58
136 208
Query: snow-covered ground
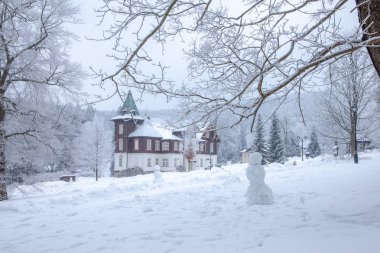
319 206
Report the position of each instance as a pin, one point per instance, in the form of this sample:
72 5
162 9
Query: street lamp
212 141
355 118
302 140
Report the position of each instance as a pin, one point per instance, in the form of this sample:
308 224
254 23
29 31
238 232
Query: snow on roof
362 138
166 134
198 136
250 149
147 129
128 116
182 129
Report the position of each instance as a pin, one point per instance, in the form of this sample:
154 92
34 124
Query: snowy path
319 207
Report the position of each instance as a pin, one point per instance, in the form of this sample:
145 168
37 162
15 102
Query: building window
201 147
211 147
201 162
157 145
165 146
120 161
148 162
165 162
175 162
207 134
175 148
121 129
157 161
136 144
120 144
149 144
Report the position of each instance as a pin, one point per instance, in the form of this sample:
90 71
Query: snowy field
320 205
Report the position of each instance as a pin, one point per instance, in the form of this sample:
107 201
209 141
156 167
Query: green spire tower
129 105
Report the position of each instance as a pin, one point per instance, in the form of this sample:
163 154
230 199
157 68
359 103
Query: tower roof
129 105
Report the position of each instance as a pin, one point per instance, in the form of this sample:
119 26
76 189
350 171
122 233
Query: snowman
258 193
157 175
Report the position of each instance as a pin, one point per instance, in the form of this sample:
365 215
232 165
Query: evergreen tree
259 142
276 145
294 148
313 146
228 149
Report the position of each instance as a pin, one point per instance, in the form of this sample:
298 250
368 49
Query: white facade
147 161
202 161
167 162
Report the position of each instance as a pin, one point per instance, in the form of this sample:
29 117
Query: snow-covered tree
67 130
93 147
33 52
294 148
229 148
352 83
276 152
313 147
260 144
189 154
240 56
41 131
233 139
187 146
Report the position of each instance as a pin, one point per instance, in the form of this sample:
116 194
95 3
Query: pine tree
276 145
313 146
294 148
259 142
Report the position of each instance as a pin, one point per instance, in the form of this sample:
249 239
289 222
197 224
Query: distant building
363 144
245 154
143 143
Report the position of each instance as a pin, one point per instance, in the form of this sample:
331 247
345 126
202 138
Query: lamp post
209 150
211 141
355 118
302 140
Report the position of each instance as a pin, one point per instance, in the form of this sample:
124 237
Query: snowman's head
255 158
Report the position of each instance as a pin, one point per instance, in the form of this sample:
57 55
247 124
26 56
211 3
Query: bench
67 178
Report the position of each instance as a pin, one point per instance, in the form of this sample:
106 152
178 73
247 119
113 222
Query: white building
142 143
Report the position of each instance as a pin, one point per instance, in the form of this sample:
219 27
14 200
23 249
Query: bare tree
352 82
187 146
33 51
189 153
238 61
94 146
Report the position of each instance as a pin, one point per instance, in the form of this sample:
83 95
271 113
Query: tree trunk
352 143
369 17
3 188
